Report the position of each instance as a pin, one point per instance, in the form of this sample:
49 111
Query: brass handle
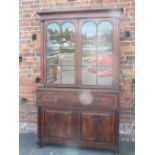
55 99
97 100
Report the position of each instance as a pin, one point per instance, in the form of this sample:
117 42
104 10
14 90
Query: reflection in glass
53 74
89 59
105 59
88 53
60 52
97 57
89 75
68 37
53 39
68 75
89 43
68 59
68 30
89 31
53 60
104 74
53 53
104 80
105 37
68 44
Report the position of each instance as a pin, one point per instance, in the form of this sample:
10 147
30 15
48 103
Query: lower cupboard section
93 129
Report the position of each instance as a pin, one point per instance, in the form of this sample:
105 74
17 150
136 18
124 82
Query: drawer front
57 98
78 99
98 99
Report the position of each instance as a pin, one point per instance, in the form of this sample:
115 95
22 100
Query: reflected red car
105 65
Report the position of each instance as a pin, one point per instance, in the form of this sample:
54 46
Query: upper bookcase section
80 48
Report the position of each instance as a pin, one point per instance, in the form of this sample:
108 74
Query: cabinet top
58 11
113 90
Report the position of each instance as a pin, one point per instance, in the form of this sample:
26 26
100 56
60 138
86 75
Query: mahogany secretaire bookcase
79 96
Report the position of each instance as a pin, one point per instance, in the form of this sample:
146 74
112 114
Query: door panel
97 127
58 124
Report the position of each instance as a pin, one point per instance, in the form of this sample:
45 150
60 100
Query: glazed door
60 52
97 52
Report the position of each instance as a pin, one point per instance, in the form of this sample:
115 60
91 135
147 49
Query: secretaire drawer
100 100
85 99
57 98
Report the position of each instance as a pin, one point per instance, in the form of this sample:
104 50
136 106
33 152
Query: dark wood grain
96 127
58 124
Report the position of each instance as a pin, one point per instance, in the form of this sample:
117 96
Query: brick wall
30 51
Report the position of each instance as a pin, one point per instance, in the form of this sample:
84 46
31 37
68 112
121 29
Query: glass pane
53 39
104 75
68 44
104 69
103 59
54 74
105 55
89 75
67 59
53 53
89 43
105 37
53 60
68 75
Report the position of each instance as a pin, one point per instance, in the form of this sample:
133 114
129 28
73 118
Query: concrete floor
27 146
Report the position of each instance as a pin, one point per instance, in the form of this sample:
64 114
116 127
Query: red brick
26 15
130 57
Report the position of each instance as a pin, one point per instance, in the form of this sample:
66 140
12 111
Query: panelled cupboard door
58 124
97 127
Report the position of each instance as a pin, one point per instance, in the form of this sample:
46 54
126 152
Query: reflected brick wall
30 51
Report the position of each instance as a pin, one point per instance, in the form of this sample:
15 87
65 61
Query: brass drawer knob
55 99
97 100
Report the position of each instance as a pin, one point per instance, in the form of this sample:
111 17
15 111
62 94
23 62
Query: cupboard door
97 127
58 124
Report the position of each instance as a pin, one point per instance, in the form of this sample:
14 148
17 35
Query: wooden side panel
97 127
58 124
